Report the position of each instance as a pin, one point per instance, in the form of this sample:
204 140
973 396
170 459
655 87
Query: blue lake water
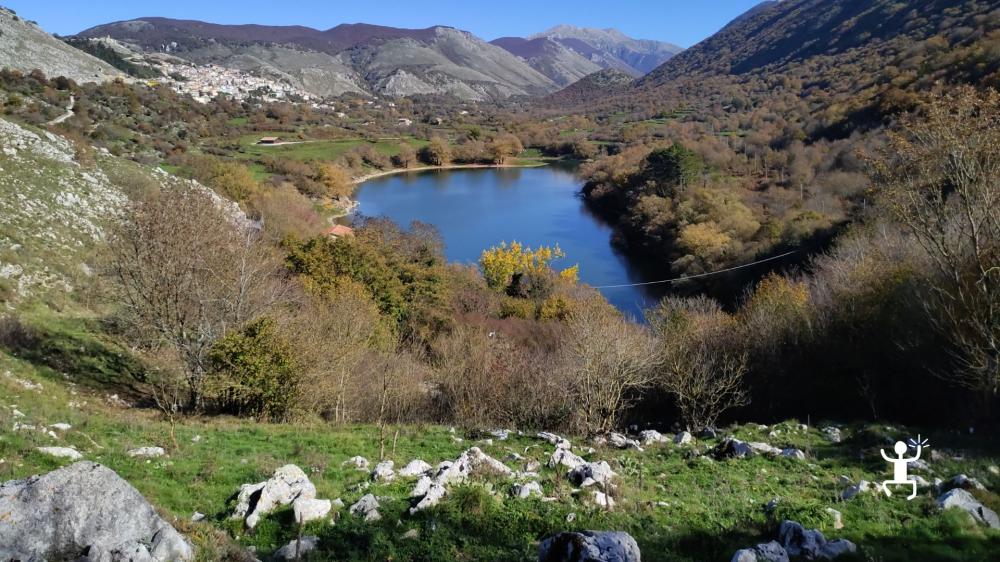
479 208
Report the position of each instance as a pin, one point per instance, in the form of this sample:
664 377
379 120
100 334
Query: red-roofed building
339 230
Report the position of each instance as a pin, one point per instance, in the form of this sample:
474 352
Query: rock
994 470
526 490
683 438
554 439
570 517
146 452
920 480
367 507
838 518
591 473
62 452
810 544
84 507
415 468
533 466
383 472
412 534
708 433
960 481
566 458
734 449
651 436
744 555
619 441
286 485
433 496
359 463
793 454
61 426
604 500
764 448
599 440
854 490
307 509
589 546
423 484
921 465
297 549
770 552
832 433
770 506
500 434
961 499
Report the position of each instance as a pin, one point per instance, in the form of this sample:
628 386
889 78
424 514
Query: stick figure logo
899 463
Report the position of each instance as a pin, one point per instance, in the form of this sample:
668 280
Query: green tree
673 167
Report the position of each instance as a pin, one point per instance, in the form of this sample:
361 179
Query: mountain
611 48
607 82
357 58
26 47
555 60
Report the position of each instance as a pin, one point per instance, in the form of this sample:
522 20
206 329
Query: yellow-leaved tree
501 264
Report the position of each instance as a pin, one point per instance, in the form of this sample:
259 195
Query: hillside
611 48
357 58
550 57
26 47
607 82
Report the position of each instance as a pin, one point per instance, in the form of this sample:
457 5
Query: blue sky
677 21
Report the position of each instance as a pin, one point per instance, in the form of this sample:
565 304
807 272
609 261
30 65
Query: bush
254 372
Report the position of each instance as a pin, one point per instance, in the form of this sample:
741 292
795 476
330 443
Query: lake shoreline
361 179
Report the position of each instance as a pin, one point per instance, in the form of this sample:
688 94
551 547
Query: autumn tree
186 271
940 177
406 157
437 152
335 179
502 266
504 147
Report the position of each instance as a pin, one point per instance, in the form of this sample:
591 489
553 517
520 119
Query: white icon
899 465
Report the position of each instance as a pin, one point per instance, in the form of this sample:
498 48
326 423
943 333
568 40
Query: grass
678 504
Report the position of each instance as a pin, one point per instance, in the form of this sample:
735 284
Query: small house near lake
269 140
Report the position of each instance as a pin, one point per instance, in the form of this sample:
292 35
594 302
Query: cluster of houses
206 82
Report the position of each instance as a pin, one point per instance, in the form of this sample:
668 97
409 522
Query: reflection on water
479 208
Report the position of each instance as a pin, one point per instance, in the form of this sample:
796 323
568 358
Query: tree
672 167
609 360
335 179
940 177
505 146
406 157
503 265
185 274
698 361
437 152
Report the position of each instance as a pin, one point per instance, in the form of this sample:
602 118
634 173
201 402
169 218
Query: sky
681 22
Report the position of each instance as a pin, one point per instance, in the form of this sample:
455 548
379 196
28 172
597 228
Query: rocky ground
240 490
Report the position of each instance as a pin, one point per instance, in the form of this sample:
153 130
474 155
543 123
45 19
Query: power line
696 276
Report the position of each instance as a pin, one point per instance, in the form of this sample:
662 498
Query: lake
475 209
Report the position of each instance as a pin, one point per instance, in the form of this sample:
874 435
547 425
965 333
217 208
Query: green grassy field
677 502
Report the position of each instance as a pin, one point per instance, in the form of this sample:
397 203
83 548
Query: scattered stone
61 426
307 509
763 552
599 440
833 434
920 480
770 506
852 491
470 462
297 548
383 472
838 518
84 507
566 458
526 490
683 438
651 436
994 470
196 439
793 454
554 439
62 452
619 441
367 507
708 433
591 473
765 449
147 452
810 543
432 496
532 466
501 434
197 516
17 413
959 481
412 534
570 517
359 463
415 468
961 499
734 448
286 485
604 500
589 546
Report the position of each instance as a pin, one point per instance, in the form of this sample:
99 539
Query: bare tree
610 360
940 176
699 365
186 273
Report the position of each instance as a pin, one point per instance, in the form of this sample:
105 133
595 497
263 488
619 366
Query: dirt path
69 112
